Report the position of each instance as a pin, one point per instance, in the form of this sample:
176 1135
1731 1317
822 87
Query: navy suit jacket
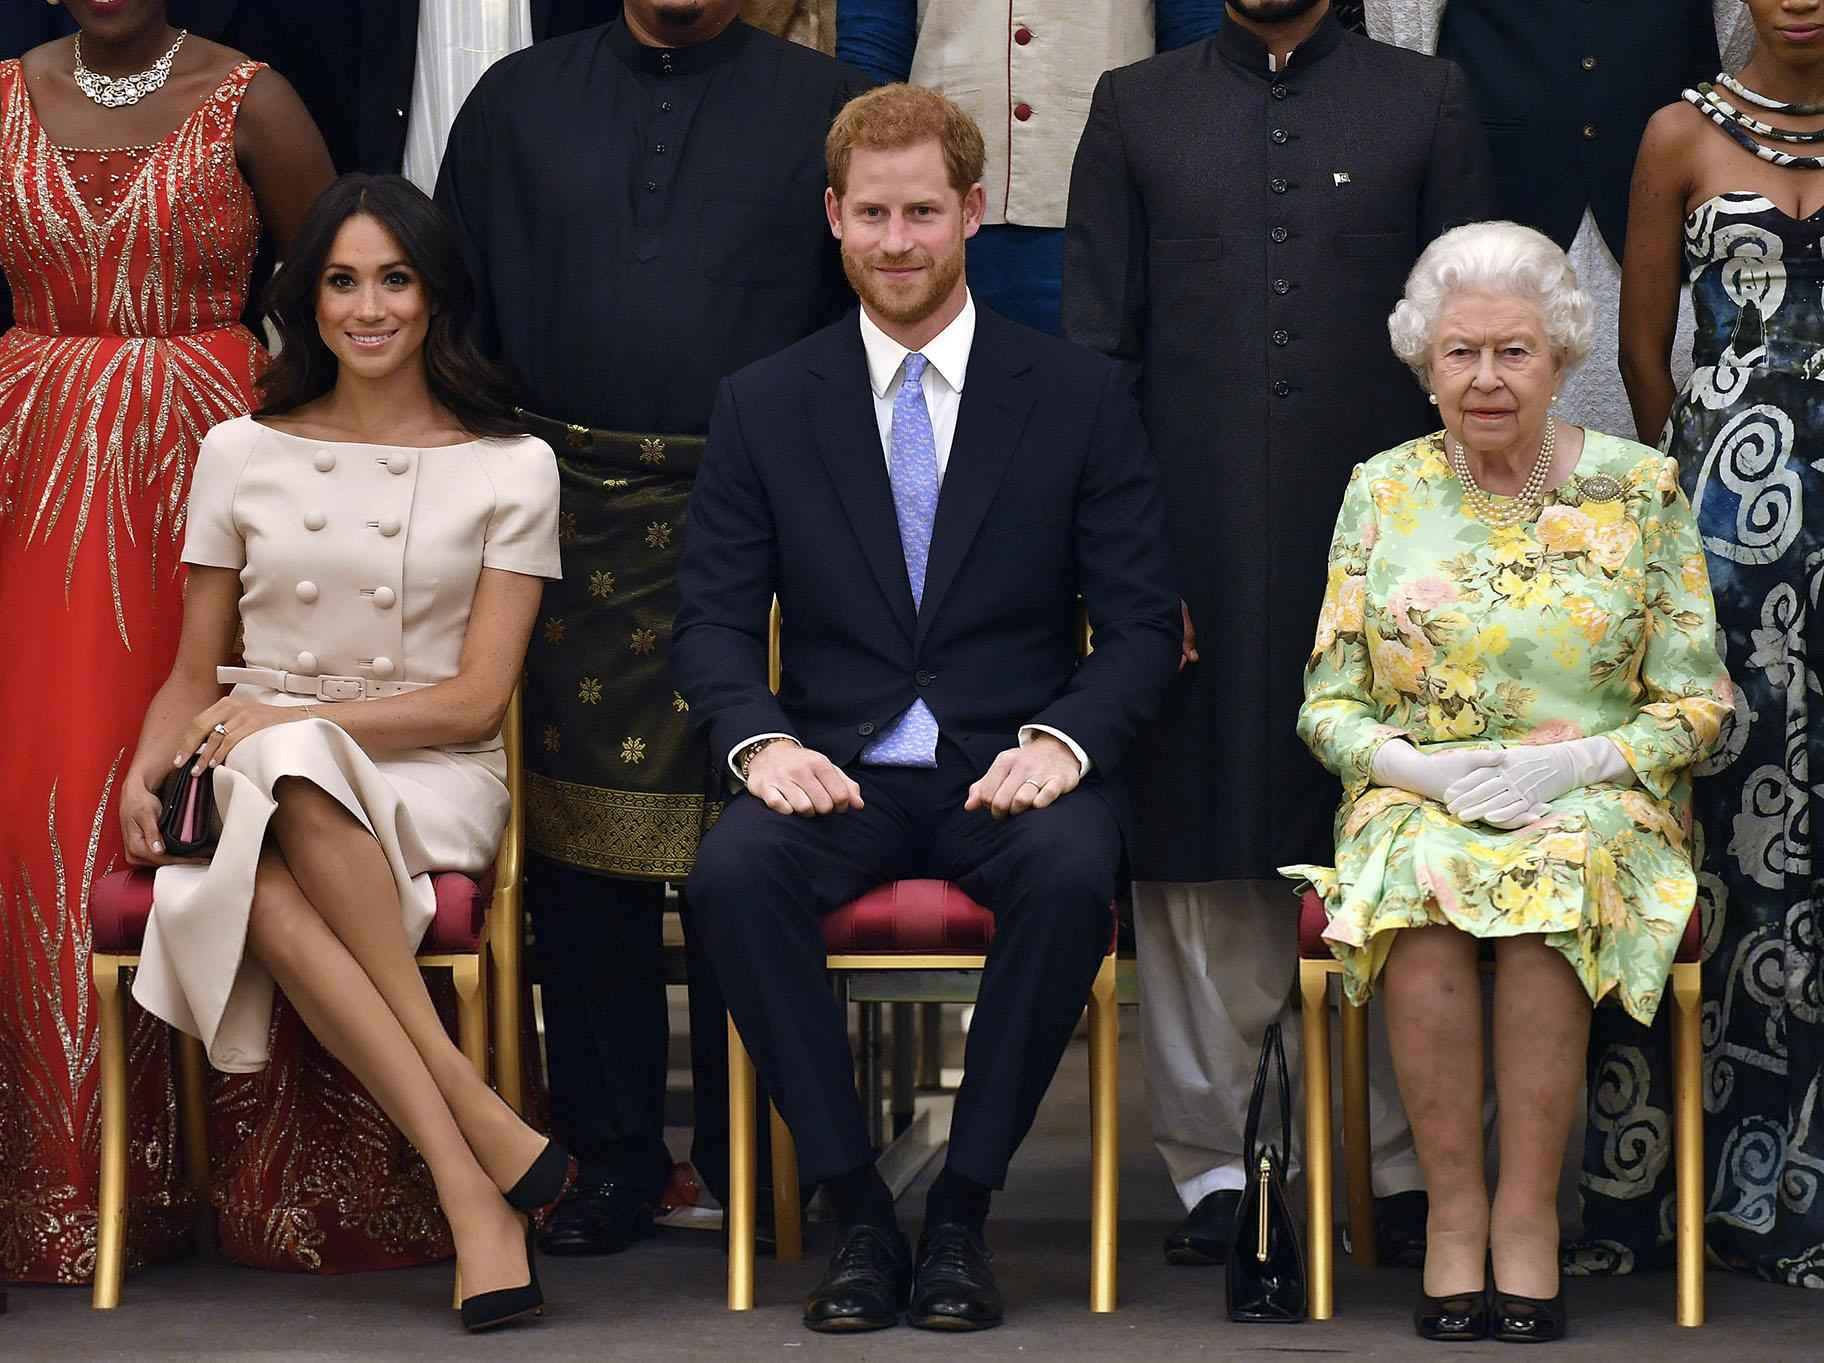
1050 492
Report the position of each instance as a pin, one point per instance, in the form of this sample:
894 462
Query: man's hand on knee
1026 778
794 780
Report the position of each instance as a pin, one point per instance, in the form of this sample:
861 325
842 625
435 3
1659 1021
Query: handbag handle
1272 1055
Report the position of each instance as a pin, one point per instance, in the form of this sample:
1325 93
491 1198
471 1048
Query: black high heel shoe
1528 1320
544 1182
487 1310
1461 1316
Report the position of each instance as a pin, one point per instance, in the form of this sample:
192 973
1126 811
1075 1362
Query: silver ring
222 729
1034 784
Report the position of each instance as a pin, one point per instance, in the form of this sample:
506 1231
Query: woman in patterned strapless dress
1732 177
130 205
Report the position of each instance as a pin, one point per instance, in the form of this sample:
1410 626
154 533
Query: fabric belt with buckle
322 688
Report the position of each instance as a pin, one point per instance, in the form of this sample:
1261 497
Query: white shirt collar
947 352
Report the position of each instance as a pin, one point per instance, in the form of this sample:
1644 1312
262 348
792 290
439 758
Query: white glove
1516 789
1398 763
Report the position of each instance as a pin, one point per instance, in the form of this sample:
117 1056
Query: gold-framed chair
931 931
1316 966
476 924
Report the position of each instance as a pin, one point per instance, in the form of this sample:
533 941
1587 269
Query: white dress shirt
457 41
946 369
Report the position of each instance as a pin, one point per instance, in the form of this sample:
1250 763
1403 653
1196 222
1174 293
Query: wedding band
1034 784
222 729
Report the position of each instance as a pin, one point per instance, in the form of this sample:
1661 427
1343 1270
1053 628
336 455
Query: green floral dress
1595 619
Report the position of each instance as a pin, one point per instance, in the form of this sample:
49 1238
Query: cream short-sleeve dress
356 561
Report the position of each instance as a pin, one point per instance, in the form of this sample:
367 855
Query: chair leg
739 1217
471 1012
505 947
1314 995
192 1069
111 1221
1104 1137
788 1216
1688 1137
1358 1152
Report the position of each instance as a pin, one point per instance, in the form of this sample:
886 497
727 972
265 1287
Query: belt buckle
341 688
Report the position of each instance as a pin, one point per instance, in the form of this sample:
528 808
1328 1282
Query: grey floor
664 1299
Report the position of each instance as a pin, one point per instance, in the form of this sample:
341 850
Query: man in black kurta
642 220
1243 214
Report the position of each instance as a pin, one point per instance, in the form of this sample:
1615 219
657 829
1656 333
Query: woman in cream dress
379 535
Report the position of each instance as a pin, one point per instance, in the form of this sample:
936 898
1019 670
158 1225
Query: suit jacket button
384 597
398 462
384 667
307 591
388 526
307 664
865 730
925 678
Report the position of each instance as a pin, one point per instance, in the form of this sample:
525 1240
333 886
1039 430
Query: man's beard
1273 11
904 307
681 16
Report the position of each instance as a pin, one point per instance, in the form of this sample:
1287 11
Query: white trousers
1217 963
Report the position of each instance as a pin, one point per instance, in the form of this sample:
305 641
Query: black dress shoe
1203 1236
953 1286
1399 1229
1527 1320
544 1182
1460 1316
488 1310
602 1218
865 1286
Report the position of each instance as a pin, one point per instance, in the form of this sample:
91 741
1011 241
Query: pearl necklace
1755 97
112 92
1525 504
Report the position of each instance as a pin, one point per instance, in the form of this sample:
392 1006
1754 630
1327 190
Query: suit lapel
989 420
841 409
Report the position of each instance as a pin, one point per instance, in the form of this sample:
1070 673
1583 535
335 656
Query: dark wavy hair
471 387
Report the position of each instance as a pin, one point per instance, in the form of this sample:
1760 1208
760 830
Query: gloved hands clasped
1505 787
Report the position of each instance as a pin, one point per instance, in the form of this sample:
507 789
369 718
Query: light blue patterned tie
911 741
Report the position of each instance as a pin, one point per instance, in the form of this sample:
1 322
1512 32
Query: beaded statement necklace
114 92
1521 507
1747 131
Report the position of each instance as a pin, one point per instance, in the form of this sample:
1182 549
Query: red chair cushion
121 902
924 916
1312 920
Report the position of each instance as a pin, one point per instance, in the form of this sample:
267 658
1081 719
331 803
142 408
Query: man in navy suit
927 488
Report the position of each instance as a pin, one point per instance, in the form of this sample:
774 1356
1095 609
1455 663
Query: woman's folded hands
1517 787
1505 787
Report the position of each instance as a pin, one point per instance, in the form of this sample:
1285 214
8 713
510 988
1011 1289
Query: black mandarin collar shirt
644 221
1248 52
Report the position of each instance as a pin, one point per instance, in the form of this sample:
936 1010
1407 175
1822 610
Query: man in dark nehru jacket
642 206
1243 214
927 487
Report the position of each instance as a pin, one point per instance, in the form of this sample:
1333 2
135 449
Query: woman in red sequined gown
127 234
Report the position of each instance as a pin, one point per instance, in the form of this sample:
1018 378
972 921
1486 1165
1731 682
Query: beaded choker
1760 101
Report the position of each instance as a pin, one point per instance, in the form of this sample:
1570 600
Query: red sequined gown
129 271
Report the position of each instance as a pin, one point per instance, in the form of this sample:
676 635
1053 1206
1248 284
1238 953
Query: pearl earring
1554 397
1432 398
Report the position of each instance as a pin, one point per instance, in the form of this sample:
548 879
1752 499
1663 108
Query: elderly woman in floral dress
1514 670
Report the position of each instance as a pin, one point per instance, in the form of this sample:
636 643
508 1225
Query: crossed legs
1541 1025
325 923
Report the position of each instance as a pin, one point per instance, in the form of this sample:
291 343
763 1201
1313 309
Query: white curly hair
1492 257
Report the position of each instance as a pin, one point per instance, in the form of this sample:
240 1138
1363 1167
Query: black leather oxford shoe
953 1286
602 1218
866 1284
1203 1236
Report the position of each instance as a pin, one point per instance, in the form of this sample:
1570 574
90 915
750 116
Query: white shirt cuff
735 752
1028 730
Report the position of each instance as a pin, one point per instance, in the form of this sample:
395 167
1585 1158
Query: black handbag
1266 1269
186 816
